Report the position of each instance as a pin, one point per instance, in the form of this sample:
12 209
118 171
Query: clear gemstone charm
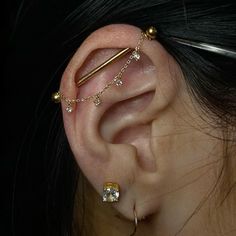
136 55
97 101
111 192
69 108
119 82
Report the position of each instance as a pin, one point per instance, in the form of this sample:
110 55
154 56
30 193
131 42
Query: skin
148 136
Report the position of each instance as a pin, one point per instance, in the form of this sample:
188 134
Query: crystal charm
69 108
136 55
111 192
119 82
97 101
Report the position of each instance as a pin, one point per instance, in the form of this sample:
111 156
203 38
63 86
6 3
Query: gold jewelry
150 33
57 97
112 59
111 192
135 222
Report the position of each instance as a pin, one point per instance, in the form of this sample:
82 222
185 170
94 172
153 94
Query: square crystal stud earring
111 192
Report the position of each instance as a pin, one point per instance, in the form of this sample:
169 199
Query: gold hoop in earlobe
135 223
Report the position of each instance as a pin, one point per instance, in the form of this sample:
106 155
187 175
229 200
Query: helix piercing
57 97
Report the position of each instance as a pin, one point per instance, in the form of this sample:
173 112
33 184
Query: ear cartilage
135 55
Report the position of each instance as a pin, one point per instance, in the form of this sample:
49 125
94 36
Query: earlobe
112 140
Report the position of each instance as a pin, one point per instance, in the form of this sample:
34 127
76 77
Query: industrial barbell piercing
150 34
109 61
57 97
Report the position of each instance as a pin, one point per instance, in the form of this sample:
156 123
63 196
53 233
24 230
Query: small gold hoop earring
135 222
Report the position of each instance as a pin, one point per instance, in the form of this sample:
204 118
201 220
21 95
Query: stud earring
111 192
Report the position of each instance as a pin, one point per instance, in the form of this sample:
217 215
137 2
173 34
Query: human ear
113 142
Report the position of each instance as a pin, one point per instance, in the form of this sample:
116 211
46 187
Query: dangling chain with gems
117 80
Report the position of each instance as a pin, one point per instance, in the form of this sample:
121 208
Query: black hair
43 37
